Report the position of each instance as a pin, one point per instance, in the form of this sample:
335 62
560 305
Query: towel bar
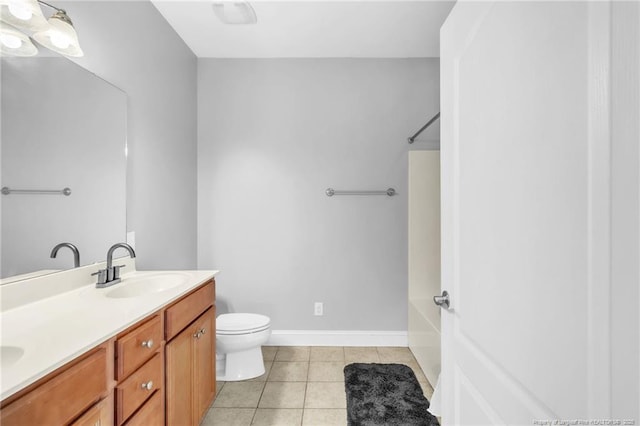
65 191
331 192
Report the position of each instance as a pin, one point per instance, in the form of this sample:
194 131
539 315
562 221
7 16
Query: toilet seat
234 324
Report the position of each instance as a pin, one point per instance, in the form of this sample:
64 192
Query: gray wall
132 46
272 136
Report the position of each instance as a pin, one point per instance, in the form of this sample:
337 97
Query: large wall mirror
62 127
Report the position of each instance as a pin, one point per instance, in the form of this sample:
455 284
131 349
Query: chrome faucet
74 249
111 275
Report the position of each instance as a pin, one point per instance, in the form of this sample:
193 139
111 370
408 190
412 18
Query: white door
525 156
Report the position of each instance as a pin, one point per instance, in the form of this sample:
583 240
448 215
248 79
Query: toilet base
242 365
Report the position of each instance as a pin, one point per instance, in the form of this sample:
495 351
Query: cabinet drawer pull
147 343
148 386
197 335
203 331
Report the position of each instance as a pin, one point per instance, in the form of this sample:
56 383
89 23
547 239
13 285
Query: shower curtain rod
434 118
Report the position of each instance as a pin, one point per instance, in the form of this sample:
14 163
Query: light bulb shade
24 14
235 12
15 43
60 37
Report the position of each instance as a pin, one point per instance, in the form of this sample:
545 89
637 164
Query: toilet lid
241 323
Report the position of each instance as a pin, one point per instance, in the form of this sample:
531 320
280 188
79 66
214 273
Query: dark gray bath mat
385 394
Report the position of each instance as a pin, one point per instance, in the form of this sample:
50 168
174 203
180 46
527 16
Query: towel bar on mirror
65 191
331 192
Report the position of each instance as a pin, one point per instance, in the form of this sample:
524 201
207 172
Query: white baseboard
337 338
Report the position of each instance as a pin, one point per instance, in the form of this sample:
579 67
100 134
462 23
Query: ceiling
312 29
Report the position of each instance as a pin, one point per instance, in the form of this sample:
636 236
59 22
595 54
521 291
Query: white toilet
239 340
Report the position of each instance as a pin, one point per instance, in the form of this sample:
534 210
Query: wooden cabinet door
204 379
179 382
191 379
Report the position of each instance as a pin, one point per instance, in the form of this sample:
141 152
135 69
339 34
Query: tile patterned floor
301 386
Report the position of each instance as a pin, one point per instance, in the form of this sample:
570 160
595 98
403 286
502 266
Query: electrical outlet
318 309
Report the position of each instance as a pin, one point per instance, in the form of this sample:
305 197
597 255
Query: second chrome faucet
111 275
73 248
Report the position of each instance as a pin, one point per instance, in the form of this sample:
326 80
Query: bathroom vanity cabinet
160 370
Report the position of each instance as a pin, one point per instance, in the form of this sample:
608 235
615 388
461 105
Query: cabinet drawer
136 389
151 413
100 414
64 397
137 346
182 313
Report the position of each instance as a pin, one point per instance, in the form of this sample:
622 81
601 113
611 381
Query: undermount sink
10 355
146 284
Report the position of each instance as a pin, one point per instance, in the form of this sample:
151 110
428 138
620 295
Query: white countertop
54 330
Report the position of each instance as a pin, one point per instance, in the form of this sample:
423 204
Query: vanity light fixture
23 14
235 12
60 37
56 33
15 43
